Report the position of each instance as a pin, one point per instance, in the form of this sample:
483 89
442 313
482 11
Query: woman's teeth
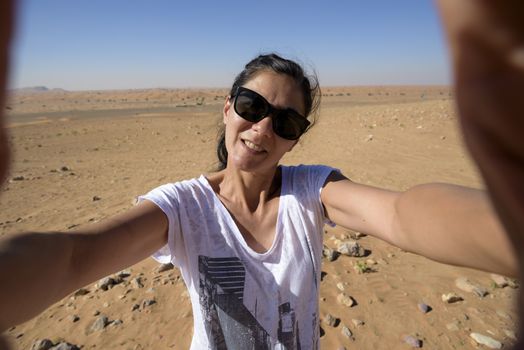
252 146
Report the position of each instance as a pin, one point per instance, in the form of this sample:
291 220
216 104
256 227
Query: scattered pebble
124 274
346 332
485 340
137 282
510 334
451 298
65 346
425 308
357 323
330 320
466 285
345 299
412 341
502 281
340 286
453 326
99 324
164 267
329 254
148 302
42 344
351 248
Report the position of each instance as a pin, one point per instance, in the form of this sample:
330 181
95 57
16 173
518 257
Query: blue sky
117 44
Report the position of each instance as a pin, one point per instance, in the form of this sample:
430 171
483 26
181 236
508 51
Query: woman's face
254 147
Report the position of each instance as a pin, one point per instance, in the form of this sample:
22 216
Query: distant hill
37 89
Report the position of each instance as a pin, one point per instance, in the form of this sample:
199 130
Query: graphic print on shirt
229 324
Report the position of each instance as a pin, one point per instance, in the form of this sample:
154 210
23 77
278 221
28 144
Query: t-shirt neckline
232 224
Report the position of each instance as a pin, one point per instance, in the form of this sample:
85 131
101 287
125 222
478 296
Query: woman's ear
227 107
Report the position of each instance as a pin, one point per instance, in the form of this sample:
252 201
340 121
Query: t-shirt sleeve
316 176
167 199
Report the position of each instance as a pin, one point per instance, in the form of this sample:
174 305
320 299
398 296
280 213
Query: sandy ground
80 157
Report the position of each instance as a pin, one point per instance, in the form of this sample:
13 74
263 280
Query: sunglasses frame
277 113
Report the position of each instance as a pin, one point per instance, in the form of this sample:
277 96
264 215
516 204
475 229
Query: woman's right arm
38 269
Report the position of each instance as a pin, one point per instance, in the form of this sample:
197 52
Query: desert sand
80 157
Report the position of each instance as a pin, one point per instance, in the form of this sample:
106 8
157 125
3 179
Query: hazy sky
114 44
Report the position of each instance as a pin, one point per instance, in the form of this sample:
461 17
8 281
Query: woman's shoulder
181 188
308 169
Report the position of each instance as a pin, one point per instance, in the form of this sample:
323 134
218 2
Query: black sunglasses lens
288 125
253 108
250 106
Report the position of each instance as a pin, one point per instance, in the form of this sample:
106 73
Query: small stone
346 332
451 298
344 299
359 235
510 334
148 302
412 341
106 283
64 168
42 344
96 313
117 322
340 286
164 267
503 314
329 254
466 285
124 274
453 326
424 308
369 138
96 198
371 262
135 307
351 248
65 346
357 323
330 320
81 291
502 281
18 178
485 340
74 318
106 304
137 282
100 323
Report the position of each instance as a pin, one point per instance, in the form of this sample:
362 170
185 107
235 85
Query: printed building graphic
229 324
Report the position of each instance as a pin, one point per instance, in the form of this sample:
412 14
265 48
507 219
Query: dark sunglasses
287 123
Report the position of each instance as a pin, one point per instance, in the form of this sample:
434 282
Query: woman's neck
251 190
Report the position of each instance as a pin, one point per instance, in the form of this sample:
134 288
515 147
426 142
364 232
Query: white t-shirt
242 299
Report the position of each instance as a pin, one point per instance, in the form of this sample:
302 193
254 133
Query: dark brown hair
273 62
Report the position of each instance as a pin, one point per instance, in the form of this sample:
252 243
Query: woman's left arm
447 223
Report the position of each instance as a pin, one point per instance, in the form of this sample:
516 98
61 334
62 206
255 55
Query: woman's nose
264 127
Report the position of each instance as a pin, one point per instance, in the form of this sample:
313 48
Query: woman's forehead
280 90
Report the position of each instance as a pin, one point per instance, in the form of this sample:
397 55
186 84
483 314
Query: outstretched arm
38 269
447 223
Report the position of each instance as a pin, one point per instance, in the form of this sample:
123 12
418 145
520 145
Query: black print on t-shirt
228 323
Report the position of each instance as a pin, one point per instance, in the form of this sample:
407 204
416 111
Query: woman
248 238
